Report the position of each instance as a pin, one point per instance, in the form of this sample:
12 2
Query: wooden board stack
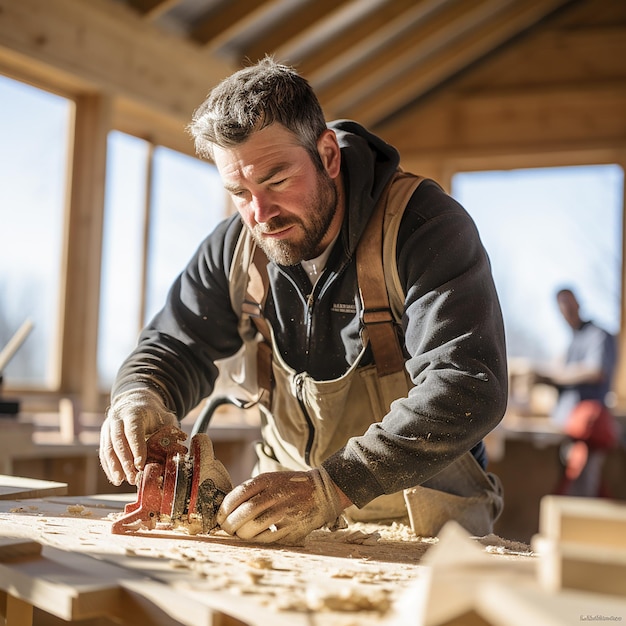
577 573
582 545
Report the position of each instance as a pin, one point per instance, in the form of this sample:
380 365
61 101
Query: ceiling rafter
404 52
374 108
152 9
367 59
380 53
334 31
226 23
368 25
292 26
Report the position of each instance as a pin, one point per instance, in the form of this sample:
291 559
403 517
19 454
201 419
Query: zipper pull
298 385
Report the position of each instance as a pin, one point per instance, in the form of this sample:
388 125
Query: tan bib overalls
304 421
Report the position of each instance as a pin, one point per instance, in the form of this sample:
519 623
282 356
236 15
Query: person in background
583 382
338 437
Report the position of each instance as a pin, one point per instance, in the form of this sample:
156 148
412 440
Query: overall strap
253 305
249 286
373 279
377 282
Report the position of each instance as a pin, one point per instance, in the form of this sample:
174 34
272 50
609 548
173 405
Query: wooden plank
456 568
16 487
75 587
591 521
527 603
12 548
565 565
66 585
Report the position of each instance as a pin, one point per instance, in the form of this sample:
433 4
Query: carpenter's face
289 205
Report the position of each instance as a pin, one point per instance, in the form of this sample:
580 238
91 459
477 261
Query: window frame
95 115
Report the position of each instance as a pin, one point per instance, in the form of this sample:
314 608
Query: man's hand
282 506
131 418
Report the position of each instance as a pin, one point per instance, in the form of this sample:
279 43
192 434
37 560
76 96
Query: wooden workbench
58 554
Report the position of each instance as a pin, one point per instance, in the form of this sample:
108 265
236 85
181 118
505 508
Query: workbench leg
18 612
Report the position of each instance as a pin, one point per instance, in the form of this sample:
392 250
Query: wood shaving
260 562
24 509
179 564
79 509
347 599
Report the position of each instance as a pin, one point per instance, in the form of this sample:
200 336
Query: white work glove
133 416
281 506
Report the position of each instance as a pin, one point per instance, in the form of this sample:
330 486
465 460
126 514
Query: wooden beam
230 19
620 377
370 107
511 120
152 9
322 45
136 119
109 48
371 39
291 27
80 305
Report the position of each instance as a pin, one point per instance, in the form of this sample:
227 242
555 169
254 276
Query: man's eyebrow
277 169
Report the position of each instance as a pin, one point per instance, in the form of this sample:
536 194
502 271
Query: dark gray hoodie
452 328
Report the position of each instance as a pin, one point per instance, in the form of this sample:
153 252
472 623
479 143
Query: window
545 229
122 251
189 201
34 127
186 201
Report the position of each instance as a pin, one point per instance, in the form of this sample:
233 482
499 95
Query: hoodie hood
367 165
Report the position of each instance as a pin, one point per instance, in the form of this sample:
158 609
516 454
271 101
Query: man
332 439
589 364
583 382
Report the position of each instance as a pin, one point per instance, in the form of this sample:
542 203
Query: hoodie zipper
299 379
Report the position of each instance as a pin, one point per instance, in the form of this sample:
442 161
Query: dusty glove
213 480
281 506
131 418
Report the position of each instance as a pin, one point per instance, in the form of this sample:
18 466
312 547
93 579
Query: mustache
274 225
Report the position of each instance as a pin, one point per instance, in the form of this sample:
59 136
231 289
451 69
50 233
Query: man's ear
328 149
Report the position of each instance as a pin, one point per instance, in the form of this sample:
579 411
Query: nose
263 207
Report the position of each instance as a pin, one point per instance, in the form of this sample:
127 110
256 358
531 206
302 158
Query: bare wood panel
554 57
16 487
514 120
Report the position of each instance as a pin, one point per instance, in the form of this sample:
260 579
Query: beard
319 212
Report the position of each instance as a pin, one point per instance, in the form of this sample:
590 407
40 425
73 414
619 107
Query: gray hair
252 99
